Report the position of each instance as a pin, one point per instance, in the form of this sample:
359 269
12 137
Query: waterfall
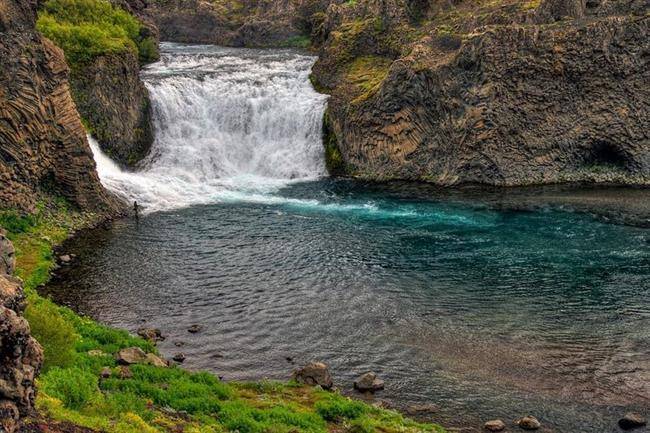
229 124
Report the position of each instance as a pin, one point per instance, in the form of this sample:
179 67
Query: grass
156 399
86 29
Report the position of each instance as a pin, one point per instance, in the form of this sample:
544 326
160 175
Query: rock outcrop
43 147
21 356
114 102
501 93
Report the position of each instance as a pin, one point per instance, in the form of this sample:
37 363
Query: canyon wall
501 94
43 147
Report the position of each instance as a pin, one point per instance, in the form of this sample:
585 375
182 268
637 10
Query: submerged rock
368 382
314 373
632 420
151 334
494 425
420 409
529 423
194 329
130 355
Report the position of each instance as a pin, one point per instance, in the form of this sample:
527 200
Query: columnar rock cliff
43 147
502 93
21 356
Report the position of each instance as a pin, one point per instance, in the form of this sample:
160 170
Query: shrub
73 386
337 408
53 331
85 29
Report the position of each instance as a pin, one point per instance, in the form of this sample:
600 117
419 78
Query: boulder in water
314 373
529 423
151 334
421 409
632 420
179 357
368 382
194 329
494 425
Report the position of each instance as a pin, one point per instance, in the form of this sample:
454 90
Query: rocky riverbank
21 357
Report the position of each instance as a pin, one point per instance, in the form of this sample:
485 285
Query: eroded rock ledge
21 356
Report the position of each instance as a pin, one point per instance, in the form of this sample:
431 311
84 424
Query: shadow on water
488 303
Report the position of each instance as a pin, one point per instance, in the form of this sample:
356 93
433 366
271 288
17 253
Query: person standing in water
136 211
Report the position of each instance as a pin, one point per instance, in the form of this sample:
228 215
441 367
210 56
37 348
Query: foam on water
229 123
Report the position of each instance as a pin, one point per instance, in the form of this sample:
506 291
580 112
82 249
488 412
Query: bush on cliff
85 29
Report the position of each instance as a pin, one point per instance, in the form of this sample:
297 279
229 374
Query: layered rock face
114 102
21 356
501 94
258 23
43 147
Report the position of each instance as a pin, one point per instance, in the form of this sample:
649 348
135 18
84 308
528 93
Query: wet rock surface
21 356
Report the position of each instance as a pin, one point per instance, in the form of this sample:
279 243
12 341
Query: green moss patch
366 74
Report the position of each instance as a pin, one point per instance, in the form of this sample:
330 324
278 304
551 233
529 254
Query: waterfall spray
230 124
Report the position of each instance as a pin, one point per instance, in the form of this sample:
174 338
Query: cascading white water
230 124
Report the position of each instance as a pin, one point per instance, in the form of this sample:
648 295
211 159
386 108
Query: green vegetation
85 29
156 399
297 42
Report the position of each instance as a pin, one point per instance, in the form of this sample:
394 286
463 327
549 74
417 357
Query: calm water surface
480 302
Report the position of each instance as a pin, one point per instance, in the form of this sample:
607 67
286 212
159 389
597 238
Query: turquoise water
486 303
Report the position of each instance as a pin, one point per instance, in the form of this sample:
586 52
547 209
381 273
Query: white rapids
230 124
